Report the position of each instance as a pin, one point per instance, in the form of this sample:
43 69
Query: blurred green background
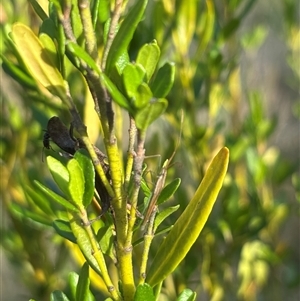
237 81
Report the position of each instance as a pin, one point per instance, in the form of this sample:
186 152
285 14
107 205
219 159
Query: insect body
63 137
60 135
46 140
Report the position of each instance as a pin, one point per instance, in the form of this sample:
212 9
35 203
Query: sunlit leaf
76 182
161 216
144 292
82 290
148 57
56 197
88 170
125 33
189 225
187 295
59 173
38 60
145 116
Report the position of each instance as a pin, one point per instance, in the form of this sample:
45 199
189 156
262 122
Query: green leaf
60 174
57 198
161 216
168 191
73 281
87 167
143 96
63 228
106 241
39 200
50 47
144 292
80 53
49 28
103 10
38 60
148 57
145 116
38 9
146 190
82 290
58 296
28 213
116 95
125 33
76 23
187 295
23 78
83 241
76 183
133 75
189 225
163 81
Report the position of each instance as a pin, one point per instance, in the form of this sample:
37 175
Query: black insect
63 137
60 135
46 140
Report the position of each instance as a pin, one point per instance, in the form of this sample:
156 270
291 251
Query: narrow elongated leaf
77 26
83 55
88 170
82 290
125 33
57 198
148 57
38 60
73 281
38 9
76 183
168 191
63 228
26 213
189 225
24 79
83 241
40 200
116 95
161 216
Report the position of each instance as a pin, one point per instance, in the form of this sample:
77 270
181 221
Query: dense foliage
139 74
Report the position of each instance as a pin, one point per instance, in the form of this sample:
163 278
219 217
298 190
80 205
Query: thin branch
88 29
138 167
112 30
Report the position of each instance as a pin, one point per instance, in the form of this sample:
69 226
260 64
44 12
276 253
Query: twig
112 30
